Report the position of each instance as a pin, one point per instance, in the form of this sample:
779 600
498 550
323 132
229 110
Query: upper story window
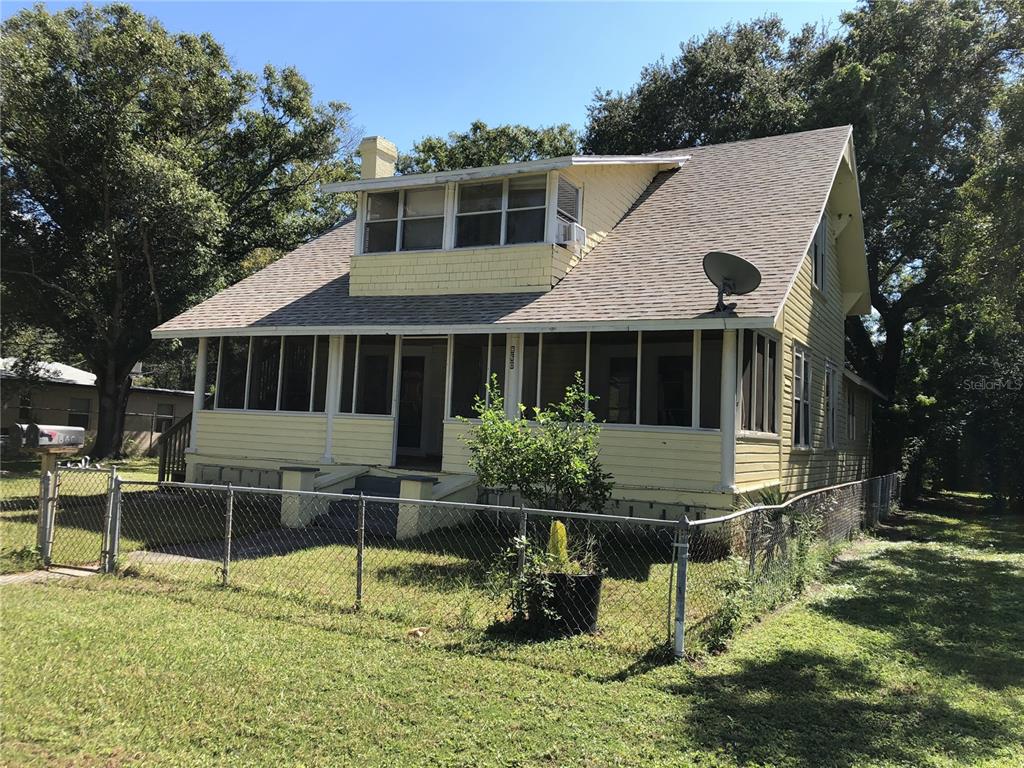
404 220
501 212
819 247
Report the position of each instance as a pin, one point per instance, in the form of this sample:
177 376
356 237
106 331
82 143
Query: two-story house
355 354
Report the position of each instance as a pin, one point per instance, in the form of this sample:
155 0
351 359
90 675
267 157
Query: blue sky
412 70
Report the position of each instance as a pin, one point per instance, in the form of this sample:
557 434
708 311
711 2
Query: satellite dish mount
732 275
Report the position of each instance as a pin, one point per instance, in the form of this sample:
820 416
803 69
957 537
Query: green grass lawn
76 544
907 653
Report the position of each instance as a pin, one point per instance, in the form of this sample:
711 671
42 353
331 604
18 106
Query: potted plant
550 459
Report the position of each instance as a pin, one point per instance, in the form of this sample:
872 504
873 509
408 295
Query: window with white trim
801 397
831 405
851 413
404 220
568 201
758 382
819 250
503 212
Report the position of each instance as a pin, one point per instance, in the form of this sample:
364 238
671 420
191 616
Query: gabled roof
760 199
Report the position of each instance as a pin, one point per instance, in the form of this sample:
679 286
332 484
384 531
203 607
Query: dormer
496 229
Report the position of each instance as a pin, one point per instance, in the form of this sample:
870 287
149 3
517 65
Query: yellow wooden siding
363 440
287 437
505 269
608 192
757 463
637 458
816 320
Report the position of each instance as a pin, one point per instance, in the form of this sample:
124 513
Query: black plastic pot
572 607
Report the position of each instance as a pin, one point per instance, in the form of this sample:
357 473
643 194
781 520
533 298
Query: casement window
475 359
819 251
164 417
404 220
851 414
503 212
272 373
758 382
78 412
831 405
657 378
801 397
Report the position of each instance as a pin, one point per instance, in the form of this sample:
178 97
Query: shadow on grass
954 613
809 709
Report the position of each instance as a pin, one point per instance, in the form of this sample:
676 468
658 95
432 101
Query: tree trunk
113 391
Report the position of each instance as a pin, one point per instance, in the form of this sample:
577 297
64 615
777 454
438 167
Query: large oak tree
141 172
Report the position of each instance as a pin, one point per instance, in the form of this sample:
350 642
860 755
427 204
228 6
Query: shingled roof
760 199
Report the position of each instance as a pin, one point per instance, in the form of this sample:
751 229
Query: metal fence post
755 529
229 513
360 546
682 556
44 526
112 524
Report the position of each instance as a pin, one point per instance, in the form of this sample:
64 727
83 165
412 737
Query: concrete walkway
53 574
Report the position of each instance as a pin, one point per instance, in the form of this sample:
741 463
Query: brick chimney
378 157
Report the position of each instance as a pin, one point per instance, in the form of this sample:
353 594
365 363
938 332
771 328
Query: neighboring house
63 394
356 353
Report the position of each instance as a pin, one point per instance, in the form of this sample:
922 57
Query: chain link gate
75 509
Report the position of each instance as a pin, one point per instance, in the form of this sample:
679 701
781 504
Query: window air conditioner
571 235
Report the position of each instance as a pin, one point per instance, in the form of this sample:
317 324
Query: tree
552 462
481 145
971 359
916 80
140 172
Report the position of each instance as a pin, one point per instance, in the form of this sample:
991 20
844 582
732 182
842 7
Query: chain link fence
632 584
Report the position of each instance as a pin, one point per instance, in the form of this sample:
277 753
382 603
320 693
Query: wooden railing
172 444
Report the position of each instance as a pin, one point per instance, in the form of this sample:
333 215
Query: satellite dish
732 275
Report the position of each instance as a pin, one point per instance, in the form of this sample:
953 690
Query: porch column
199 393
728 412
333 396
513 374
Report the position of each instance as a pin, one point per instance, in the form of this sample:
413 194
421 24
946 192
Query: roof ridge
661 152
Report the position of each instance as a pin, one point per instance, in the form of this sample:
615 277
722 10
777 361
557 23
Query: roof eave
495 171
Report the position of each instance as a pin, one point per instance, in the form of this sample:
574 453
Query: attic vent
568 201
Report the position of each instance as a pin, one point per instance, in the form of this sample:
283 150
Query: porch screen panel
375 374
666 398
263 371
210 385
348 371
296 373
562 356
498 360
469 370
323 351
613 376
710 379
231 375
747 380
531 351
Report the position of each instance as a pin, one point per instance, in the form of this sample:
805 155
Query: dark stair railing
172 444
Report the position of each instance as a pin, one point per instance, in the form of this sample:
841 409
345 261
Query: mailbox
50 438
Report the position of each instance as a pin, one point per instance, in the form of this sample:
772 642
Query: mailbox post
50 442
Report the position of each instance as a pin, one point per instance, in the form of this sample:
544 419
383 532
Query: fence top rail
650 521
787 503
